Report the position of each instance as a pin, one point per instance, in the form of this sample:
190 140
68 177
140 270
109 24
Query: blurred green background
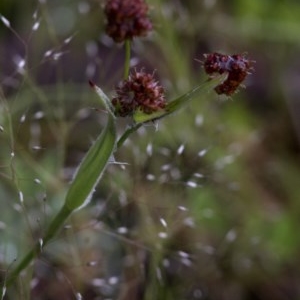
203 206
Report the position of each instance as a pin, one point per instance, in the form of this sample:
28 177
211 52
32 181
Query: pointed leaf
92 167
174 105
103 97
94 163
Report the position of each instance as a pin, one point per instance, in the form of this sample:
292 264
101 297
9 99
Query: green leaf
174 105
103 97
93 164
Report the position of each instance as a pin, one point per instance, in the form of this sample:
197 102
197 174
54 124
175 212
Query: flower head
139 92
237 66
126 19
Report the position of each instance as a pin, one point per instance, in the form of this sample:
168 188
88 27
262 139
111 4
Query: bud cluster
139 92
126 19
237 66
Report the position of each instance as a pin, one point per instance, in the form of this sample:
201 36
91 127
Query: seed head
139 92
237 66
126 19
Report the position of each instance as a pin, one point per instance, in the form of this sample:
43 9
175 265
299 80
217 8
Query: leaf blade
94 163
176 104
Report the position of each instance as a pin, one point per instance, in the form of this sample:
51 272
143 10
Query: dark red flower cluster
139 92
237 66
126 19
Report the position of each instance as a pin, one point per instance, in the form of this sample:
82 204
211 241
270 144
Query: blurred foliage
217 221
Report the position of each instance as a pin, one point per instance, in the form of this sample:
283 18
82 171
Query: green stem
55 225
127 58
126 134
22 265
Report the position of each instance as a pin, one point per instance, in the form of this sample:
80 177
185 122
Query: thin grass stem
127 58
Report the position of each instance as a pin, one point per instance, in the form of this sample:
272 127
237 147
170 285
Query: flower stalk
127 58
